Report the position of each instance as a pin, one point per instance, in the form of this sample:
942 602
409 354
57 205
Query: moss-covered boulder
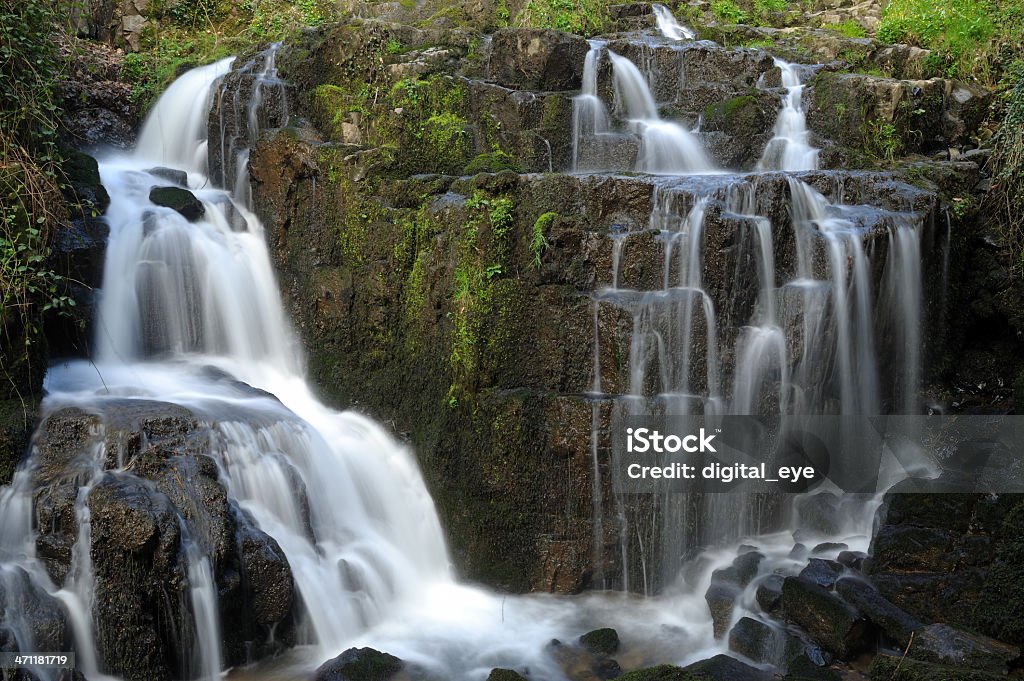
181 200
537 59
359 664
745 124
827 619
601 641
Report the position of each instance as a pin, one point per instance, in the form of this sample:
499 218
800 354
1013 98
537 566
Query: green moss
538 242
848 28
892 668
491 162
601 641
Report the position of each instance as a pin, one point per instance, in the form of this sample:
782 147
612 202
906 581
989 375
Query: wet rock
897 624
499 674
601 641
663 672
265 569
804 668
720 598
943 644
893 668
829 621
767 644
746 123
98 106
83 178
829 547
853 559
537 59
725 668
746 566
822 572
30 611
819 513
359 664
769 594
178 177
181 200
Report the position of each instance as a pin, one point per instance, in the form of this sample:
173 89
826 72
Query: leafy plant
728 12
585 17
538 242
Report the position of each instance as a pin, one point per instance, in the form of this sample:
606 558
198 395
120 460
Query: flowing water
789 148
184 304
669 27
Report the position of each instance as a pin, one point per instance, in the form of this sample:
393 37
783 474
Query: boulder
181 200
822 572
726 668
897 624
601 641
178 177
767 644
499 674
537 59
893 668
720 598
829 621
943 644
853 559
360 664
769 594
662 672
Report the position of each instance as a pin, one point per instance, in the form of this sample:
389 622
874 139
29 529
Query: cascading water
669 27
789 148
665 146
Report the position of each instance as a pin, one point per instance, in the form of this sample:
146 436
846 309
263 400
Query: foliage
884 140
728 12
538 242
767 11
971 39
491 162
585 17
31 203
1006 200
849 28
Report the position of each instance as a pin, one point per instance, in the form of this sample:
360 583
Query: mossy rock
359 664
499 674
491 162
181 200
662 672
892 668
601 641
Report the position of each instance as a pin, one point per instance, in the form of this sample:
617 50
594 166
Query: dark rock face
537 59
360 664
721 596
954 558
828 620
181 200
822 572
499 674
157 495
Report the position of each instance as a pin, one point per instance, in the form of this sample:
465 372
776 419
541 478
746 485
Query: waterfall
789 148
665 147
669 27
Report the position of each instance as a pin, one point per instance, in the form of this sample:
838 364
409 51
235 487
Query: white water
669 27
790 148
180 297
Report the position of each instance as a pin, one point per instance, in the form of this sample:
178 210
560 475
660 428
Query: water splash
789 148
669 27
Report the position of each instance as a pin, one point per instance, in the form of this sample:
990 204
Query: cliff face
460 306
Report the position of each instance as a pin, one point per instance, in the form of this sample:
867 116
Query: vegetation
194 32
31 202
585 17
1006 200
849 28
971 39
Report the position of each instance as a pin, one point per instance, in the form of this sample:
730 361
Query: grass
849 29
584 17
971 39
